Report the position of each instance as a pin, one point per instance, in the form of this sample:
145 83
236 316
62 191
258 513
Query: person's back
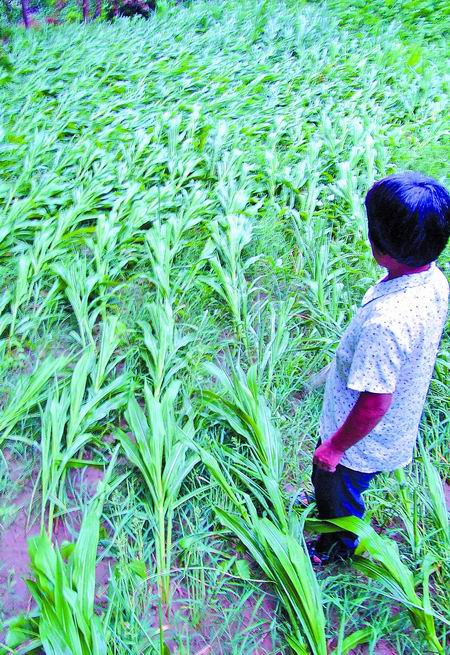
378 381
390 345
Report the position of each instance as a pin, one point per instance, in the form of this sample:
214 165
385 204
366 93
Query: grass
182 243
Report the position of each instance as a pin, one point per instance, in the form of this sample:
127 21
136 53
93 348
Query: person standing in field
378 381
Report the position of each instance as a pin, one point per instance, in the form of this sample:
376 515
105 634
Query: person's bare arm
367 412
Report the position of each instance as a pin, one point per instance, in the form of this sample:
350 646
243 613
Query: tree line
25 10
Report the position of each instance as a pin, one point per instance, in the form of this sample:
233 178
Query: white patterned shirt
390 346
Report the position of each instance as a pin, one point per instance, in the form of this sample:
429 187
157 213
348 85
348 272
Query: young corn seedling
64 593
22 217
50 239
435 498
5 317
319 269
105 247
241 405
386 567
63 589
301 188
271 352
164 345
283 558
271 542
162 249
166 240
229 236
34 295
163 456
347 188
213 154
79 287
279 555
27 394
108 357
73 414
53 422
183 163
407 508
22 290
421 496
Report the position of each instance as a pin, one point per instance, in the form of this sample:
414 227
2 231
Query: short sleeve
377 359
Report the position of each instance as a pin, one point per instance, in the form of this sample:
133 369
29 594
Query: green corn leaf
83 564
28 393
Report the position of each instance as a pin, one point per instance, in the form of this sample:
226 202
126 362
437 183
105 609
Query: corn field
182 243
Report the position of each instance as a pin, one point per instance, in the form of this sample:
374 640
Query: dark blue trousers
339 494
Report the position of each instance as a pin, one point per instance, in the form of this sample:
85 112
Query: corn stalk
386 567
241 405
27 394
435 498
72 414
79 286
162 455
164 346
284 561
63 589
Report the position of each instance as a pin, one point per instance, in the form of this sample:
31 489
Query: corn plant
407 508
281 557
64 593
166 240
286 563
27 394
434 497
21 291
275 542
162 248
72 414
301 182
272 542
34 264
182 163
164 345
31 290
104 248
241 405
273 349
245 409
421 496
347 187
5 317
162 455
109 357
320 272
230 234
79 287
63 589
386 567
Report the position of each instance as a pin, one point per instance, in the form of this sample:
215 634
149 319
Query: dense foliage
182 244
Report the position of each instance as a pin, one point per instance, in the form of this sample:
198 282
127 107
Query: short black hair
409 217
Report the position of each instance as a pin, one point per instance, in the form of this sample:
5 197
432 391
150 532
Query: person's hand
327 456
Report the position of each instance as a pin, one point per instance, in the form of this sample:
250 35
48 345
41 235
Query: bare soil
14 561
15 569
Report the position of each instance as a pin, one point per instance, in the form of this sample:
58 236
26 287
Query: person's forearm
363 418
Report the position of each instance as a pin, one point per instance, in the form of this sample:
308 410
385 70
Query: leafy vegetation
183 241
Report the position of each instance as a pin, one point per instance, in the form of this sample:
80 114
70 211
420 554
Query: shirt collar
398 284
